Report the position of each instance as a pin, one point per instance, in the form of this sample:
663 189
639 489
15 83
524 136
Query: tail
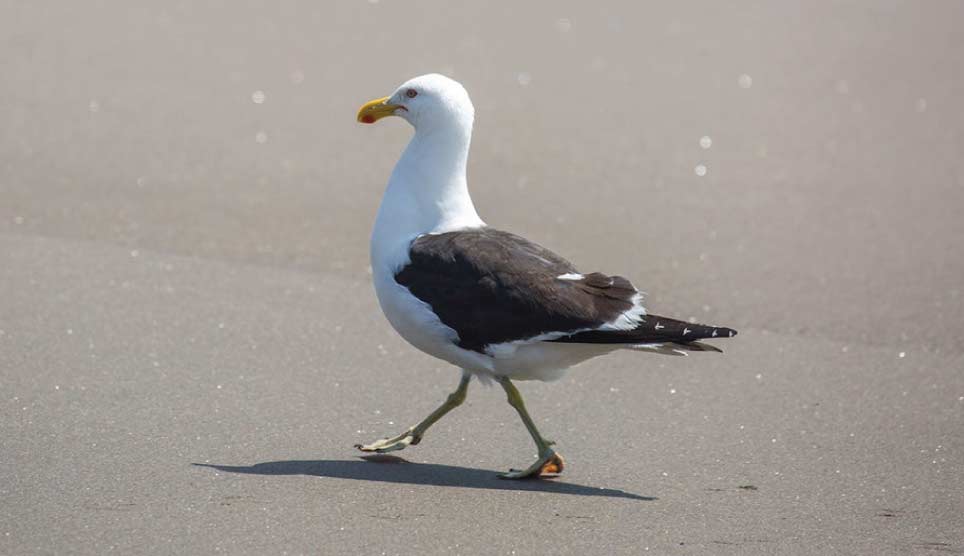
660 334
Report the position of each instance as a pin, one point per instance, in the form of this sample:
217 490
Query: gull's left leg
414 434
549 463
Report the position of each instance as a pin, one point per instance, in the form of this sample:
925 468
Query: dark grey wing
491 287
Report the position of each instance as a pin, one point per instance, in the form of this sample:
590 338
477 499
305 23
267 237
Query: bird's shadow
392 469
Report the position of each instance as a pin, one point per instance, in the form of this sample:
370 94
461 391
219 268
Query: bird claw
400 442
548 466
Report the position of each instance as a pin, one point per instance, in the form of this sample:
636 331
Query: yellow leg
414 434
548 462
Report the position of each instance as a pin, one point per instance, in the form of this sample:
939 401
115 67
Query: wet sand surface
190 344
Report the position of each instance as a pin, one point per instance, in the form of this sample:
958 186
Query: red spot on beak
368 119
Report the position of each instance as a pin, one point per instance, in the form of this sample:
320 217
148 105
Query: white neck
427 192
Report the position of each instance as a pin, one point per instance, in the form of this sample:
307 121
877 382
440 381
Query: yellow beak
377 109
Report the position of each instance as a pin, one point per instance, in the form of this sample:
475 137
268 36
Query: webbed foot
549 465
400 442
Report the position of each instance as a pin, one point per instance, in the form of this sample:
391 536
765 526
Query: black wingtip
653 329
708 332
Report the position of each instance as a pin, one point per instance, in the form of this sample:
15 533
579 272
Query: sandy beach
190 345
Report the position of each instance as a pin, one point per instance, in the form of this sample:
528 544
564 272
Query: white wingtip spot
570 276
659 326
686 331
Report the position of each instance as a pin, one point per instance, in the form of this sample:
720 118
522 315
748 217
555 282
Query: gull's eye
411 93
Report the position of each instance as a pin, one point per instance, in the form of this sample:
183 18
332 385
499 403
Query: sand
190 344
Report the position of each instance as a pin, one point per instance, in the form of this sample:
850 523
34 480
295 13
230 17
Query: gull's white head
428 102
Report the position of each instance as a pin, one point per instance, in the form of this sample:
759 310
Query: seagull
496 305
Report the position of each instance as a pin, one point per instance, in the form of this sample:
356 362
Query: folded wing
493 287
